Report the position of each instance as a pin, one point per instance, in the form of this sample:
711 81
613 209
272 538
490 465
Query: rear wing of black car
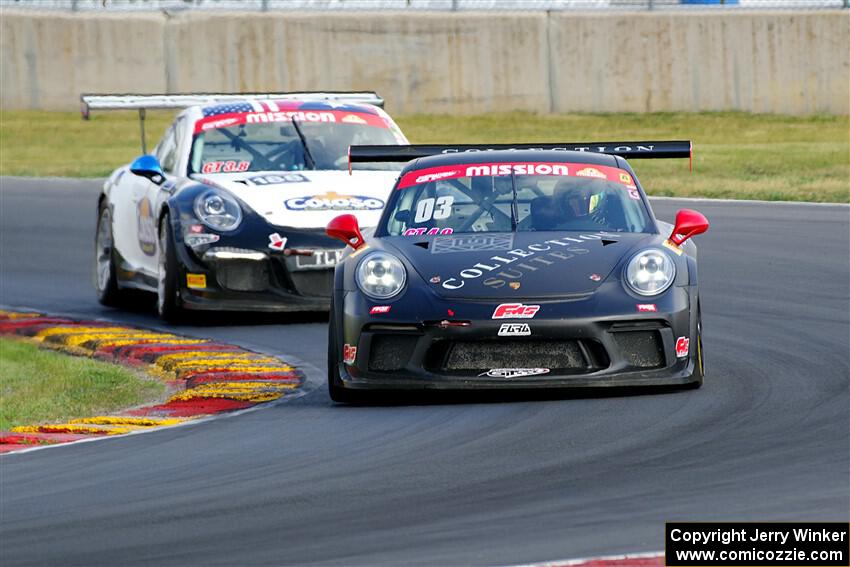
629 150
143 102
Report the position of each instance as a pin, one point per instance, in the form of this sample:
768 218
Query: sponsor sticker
435 280
429 174
515 311
278 178
349 353
591 172
196 281
319 259
670 245
196 228
332 201
595 277
428 231
147 227
429 177
326 116
515 330
472 243
514 285
379 309
682 346
225 166
514 372
646 308
276 242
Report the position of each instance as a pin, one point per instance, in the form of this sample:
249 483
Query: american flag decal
229 108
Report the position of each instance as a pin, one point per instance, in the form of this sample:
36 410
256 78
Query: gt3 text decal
514 372
646 308
349 353
515 311
514 330
225 166
431 174
334 202
429 231
682 346
196 281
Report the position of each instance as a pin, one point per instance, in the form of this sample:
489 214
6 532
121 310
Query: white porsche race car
229 211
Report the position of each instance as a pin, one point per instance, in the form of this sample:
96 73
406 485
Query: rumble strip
208 377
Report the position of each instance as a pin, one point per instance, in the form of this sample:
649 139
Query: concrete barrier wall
777 62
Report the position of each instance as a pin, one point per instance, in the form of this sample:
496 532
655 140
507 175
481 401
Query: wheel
105 279
168 305
336 389
699 367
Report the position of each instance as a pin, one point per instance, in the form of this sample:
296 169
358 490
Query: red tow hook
297 252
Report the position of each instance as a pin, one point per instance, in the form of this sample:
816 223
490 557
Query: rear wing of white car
143 102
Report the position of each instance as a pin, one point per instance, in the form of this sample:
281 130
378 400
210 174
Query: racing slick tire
168 305
337 391
699 364
105 278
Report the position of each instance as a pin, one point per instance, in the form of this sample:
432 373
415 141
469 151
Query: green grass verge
737 155
40 386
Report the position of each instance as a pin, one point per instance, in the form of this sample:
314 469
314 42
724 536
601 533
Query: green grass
737 155
42 386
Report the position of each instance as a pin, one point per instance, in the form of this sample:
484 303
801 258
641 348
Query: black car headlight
218 210
381 275
650 272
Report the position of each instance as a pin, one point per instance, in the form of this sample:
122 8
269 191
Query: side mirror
147 166
688 223
347 229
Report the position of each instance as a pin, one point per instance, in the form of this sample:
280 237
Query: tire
336 389
105 278
168 305
699 365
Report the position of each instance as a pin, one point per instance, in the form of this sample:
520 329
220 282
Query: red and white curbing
651 559
209 377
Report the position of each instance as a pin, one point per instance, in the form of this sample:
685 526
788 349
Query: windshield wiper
311 163
514 204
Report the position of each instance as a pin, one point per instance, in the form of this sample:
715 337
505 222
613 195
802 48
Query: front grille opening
243 275
390 352
641 349
560 357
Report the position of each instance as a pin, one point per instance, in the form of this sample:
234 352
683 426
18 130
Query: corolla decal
334 202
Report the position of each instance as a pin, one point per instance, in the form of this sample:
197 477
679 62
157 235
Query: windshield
524 197
279 146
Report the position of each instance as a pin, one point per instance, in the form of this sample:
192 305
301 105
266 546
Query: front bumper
588 342
228 278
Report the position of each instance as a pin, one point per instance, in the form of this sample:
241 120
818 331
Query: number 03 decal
437 209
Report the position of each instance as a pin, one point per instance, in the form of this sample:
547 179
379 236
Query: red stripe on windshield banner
329 116
603 172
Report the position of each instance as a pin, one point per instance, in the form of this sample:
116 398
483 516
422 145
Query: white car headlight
381 275
218 210
650 272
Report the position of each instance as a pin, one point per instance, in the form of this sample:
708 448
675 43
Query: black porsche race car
519 266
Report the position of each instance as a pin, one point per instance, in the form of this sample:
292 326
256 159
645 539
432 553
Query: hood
530 264
308 199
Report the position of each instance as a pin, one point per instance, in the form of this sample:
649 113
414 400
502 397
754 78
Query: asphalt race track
480 482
